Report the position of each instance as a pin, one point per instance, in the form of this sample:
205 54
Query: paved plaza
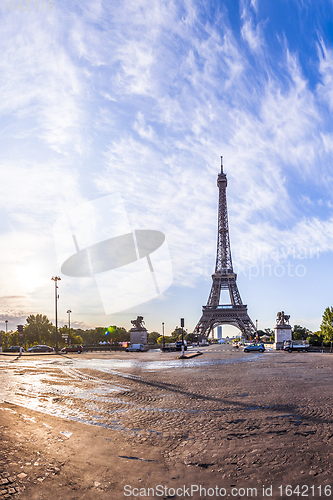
109 426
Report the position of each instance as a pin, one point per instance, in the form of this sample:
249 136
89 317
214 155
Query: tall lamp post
6 323
182 325
56 279
163 344
69 326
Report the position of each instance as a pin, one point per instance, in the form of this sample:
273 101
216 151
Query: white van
135 347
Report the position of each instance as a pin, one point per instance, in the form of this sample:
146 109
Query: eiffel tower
224 278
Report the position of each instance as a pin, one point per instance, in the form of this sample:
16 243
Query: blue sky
141 99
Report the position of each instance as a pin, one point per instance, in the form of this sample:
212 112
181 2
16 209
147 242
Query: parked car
41 348
135 347
179 345
254 347
13 348
72 348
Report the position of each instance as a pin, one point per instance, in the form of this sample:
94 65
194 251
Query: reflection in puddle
62 392
59 388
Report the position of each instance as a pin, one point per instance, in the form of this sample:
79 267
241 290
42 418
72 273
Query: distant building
219 332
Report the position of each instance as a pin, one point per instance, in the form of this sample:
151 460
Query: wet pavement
93 391
239 417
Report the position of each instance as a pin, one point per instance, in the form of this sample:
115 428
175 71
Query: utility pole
56 279
182 325
69 326
163 344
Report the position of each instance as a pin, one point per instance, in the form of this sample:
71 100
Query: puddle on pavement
63 392
57 387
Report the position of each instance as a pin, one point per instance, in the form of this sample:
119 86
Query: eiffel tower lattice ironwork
224 278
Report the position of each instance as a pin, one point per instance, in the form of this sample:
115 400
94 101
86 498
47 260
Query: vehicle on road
72 348
294 345
41 348
13 348
135 347
254 347
179 345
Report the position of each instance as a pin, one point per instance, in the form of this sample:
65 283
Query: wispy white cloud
40 83
266 132
250 31
254 4
142 98
145 131
325 89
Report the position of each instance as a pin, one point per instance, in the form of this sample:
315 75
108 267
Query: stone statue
282 319
138 323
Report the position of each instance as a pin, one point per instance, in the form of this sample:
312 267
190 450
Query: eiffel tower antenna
224 278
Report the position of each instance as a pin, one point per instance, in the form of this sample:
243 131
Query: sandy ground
232 428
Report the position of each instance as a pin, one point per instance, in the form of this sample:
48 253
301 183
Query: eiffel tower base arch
237 316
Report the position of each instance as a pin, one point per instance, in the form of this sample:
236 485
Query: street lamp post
69 326
56 279
6 323
163 344
182 325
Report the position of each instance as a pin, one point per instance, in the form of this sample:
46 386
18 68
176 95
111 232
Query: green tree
73 337
326 328
39 330
189 337
13 338
76 339
118 334
3 339
316 338
93 336
177 333
167 340
152 337
300 332
103 334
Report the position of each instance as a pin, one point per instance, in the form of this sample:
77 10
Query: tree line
39 330
324 336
